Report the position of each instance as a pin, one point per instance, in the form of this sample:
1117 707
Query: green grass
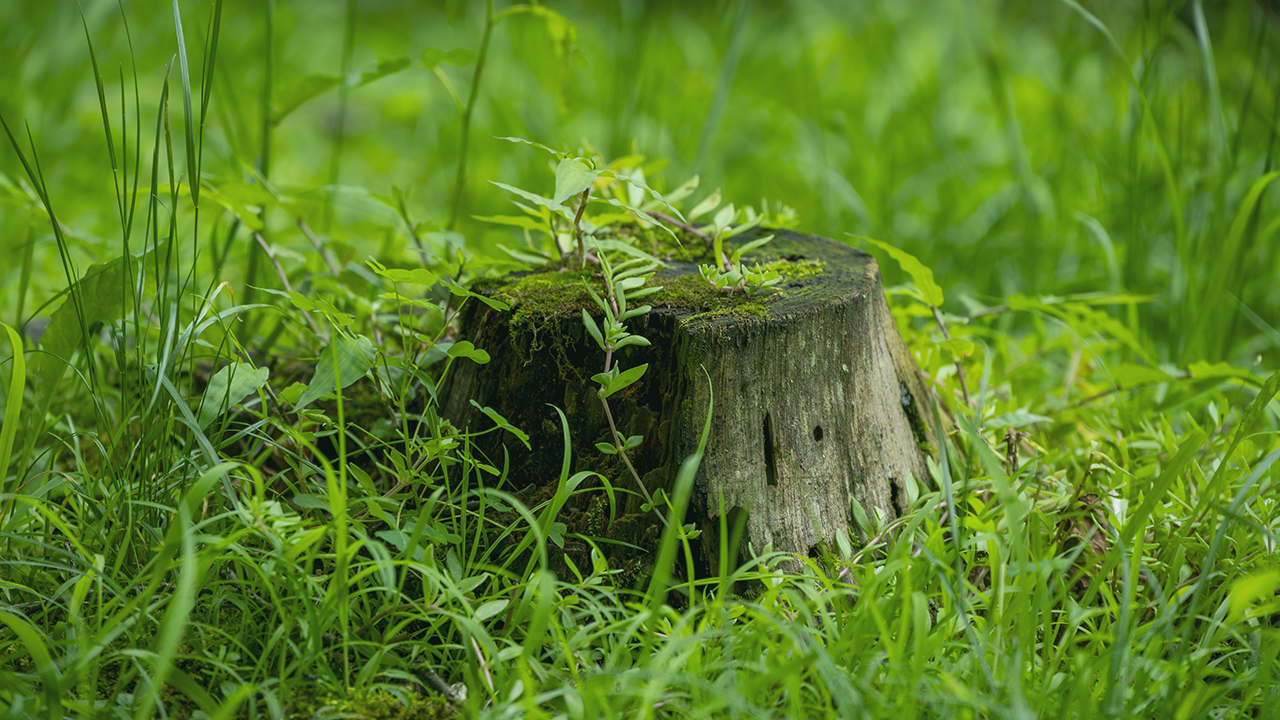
184 529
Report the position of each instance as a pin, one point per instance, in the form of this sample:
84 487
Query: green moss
556 292
684 247
684 291
546 293
746 309
919 428
796 270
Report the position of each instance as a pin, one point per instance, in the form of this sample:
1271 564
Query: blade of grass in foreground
13 401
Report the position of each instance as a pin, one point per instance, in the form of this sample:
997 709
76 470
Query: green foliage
227 488
920 275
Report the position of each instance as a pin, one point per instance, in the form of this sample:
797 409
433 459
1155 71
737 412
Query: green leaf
724 217
636 181
320 305
920 275
293 393
1251 416
291 94
1083 319
957 347
527 222
1015 419
540 146
414 276
13 400
625 379
386 66
466 349
105 292
310 502
739 229
244 201
536 199
1231 245
860 518
1248 590
1202 370
627 249
344 361
1131 374
489 609
461 291
709 203
606 448
42 661
1191 446
631 340
229 386
501 422
754 244
431 57
593 329
526 256
572 177
683 191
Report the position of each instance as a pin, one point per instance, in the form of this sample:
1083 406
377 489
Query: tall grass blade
193 168
13 402
178 615
50 677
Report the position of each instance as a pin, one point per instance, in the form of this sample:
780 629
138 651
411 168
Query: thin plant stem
657 215
608 412
335 159
577 227
315 242
460 179
959 370
284 279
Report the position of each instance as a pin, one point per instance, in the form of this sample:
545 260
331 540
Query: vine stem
617 437
577 226
657 215
617 442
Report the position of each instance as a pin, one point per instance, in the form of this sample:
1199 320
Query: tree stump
818 403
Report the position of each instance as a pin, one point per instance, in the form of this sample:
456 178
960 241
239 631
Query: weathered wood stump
818 403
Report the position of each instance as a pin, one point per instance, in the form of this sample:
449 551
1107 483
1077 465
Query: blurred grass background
1012 146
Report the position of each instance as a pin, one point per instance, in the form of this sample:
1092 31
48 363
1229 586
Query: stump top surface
815 271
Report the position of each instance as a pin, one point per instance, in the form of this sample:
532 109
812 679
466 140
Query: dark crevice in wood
770 464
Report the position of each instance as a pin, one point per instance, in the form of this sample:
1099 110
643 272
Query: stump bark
817 401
